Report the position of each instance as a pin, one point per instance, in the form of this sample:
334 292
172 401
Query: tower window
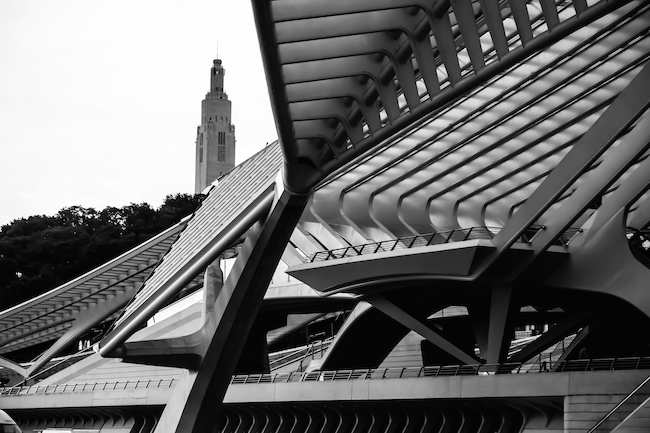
221 137
221 153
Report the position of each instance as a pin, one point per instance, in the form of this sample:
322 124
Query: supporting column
500 329
479 316
239 300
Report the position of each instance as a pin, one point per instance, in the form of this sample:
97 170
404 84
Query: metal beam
626 194
633 145
401 316
186 274
83 321
239 300
6 363
618 117
572 321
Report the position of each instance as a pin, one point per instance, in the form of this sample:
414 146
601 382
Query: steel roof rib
513 38
318 137
626 109
411 151
467 169
622 33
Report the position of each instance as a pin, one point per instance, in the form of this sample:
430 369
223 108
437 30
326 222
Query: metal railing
603 364
88 387
438 238
636 363
300 354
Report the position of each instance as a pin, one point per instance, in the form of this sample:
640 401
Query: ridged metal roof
480 157
145 267
346 76
48 316
226 200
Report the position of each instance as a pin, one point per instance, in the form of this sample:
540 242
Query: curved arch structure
477 154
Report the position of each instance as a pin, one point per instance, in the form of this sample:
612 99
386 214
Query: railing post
451 232
412 242
469 232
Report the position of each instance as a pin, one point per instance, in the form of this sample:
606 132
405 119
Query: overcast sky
99 101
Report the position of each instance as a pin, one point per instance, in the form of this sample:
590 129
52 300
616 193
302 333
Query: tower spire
215 140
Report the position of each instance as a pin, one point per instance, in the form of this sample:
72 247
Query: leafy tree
40 252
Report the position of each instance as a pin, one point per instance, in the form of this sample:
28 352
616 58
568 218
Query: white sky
99 101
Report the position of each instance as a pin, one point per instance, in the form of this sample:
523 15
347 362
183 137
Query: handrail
62 362
300 354
88 387
618 406
635 363
606 364
437 238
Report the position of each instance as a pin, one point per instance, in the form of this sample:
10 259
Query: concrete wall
591 397
586 396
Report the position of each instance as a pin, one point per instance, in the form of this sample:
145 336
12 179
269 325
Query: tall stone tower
215 137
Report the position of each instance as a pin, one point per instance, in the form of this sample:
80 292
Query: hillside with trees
41 252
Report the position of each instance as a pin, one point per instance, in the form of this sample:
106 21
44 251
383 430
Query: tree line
41 252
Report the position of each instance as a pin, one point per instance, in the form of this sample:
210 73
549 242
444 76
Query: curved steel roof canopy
346 76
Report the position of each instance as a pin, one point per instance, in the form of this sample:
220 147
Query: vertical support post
499 329
193 407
